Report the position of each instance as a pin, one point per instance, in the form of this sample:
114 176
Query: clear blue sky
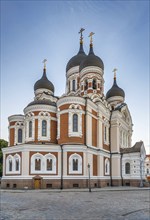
34 30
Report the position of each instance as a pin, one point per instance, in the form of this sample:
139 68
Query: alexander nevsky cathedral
82 137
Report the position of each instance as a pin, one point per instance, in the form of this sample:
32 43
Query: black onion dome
44 83
91 60
77 59
115 91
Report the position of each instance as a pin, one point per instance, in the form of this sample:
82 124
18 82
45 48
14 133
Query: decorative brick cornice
33 108
70 100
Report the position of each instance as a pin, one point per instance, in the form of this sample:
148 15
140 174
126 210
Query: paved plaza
110 203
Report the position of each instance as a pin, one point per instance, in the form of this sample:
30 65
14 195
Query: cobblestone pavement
75 204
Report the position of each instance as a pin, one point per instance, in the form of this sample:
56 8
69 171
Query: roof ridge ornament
91 38
81 36
44 61
114 70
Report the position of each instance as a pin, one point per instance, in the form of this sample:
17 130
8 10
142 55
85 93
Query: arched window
86 85
73 85
17 164
94 84
75 165
107 166
44 128
38 164
75 123
19 135
10 165
30 128
49 164
147 171
127 168
105 133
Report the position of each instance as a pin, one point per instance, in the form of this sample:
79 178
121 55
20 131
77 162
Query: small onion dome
44 83
77 59
115 91
91 60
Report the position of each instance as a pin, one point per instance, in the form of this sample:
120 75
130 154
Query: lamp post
141 172
89 177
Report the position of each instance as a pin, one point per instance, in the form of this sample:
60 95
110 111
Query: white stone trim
91 69
13 159
44 116
43 159
33 108
73 111
32 147
72 70
70 100
76 157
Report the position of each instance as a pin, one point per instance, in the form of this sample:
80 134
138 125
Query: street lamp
141 172
89 177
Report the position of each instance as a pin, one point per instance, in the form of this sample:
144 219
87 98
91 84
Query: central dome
91 60
77 59
44 83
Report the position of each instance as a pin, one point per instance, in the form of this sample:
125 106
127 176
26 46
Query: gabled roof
135 148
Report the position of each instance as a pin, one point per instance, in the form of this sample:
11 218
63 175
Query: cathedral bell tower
72 69
91 73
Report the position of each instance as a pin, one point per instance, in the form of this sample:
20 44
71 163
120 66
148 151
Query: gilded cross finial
44 61
114 70
91 39
81 37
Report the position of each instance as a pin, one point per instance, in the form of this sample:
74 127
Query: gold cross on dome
114 70
80 32
91 39
44 61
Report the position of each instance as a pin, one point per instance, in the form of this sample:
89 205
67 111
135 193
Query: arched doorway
37 182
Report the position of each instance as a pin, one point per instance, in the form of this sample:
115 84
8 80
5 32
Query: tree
3 144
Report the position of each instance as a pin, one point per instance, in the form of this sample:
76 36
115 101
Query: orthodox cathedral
80 139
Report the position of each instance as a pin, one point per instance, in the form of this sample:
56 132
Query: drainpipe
110 148
61 184
85 121
121 169
85 139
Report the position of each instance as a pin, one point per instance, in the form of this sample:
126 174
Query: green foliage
3 144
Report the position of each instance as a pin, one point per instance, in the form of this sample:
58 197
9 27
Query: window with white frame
94 86
30 129
75 164
73 85
37 164
10 165
127 168
17 164
75 121
86 85
44 126
43 163
13 164
49 164
107 166
19 135
106 133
